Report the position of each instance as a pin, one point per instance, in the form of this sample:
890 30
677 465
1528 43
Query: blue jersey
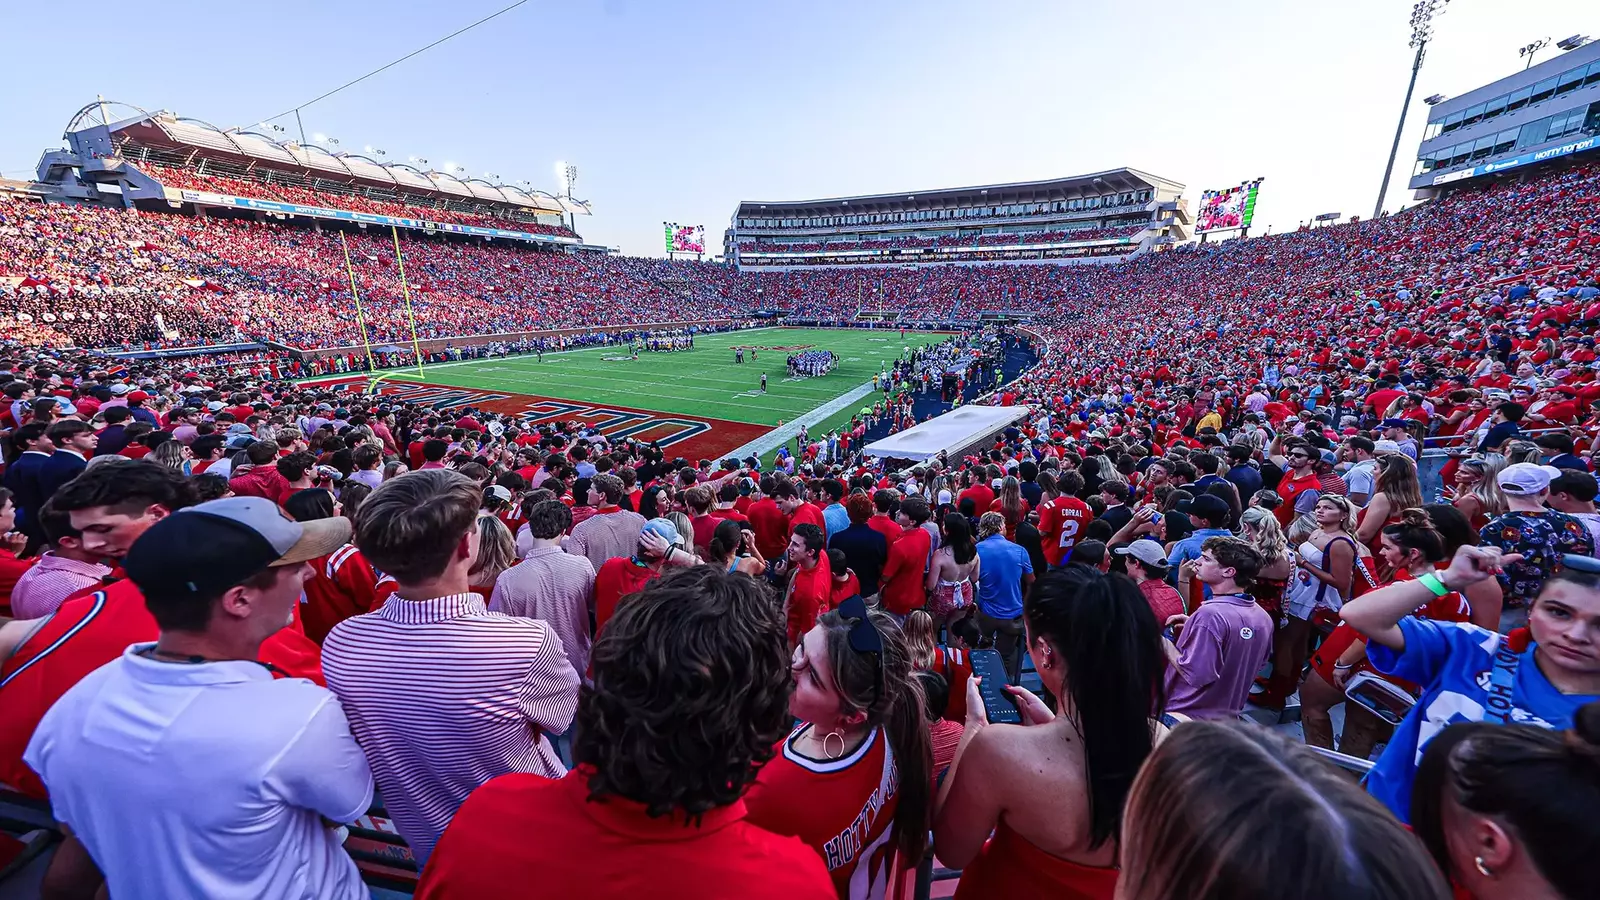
1455 662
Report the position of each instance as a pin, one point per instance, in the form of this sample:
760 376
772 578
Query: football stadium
379 529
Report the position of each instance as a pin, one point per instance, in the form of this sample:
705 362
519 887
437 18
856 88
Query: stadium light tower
1421 32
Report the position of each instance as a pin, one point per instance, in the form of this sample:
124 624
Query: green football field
704 382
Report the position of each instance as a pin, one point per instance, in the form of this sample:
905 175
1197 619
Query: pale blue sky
679 110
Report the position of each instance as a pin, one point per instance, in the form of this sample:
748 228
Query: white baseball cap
1145 551
1526 479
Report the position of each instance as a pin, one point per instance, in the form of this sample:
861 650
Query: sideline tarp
955 430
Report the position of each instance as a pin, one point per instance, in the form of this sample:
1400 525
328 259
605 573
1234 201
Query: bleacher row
946 241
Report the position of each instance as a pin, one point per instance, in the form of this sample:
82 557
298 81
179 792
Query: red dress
1009 866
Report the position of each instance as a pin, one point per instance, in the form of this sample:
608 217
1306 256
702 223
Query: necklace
192 659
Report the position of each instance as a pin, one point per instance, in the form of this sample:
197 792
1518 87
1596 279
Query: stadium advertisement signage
1518 161
685 238
319 212
1065 245
1228 209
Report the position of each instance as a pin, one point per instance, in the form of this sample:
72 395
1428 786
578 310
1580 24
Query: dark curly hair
690 693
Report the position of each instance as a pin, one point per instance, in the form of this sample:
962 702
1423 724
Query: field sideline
703 384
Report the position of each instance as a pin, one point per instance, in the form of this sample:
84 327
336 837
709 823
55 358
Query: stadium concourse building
1100 217
1547 115
122 155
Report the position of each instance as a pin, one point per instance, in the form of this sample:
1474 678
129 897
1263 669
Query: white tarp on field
955 430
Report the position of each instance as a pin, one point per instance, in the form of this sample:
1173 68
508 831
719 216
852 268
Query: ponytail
1416 531
1544 784
907 729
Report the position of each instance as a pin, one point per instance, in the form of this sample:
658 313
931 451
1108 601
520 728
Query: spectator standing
1223 643
859 767
655 548
791 498
111 504
1035 810
1147 566
810 587
63 570
1573 493
865 550
1508 810
442 694
22 476
74 442
903 588
1540 677
612 531
1225 810
834 514
771 524
1536 534
655 802
554 587
183 767
1004 575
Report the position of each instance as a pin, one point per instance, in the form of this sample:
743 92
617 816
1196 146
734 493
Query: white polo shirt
205 781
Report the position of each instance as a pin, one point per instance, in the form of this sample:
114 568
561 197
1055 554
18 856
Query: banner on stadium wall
1228 209
321 212
1518 161
685 238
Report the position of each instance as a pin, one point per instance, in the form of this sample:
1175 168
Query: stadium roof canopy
1094 184
168 130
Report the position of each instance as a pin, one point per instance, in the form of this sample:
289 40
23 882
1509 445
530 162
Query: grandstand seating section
940 243
186 179
102 274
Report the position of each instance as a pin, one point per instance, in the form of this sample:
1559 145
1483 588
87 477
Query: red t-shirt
842 808
344 584
92 628
806 513
809 595
901 588
771 527
610 849
618 577
844 590
885 526
982 496
1061 524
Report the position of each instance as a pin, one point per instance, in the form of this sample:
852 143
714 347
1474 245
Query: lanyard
1502 701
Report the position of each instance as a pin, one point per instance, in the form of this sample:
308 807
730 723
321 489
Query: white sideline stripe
781 435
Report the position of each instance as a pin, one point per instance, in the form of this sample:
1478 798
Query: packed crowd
556 655
345 199
945 242
549 652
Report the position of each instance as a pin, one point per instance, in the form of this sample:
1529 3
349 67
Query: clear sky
678 110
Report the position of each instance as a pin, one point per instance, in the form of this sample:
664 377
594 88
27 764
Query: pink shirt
53 579
444 695
555 587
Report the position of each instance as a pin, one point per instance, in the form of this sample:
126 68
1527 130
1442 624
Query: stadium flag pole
405 289
361 316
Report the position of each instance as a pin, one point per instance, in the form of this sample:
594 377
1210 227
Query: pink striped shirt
555 587
53 579
444 695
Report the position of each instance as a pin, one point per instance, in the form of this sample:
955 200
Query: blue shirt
1000 577
1452 661
1189 547
835 518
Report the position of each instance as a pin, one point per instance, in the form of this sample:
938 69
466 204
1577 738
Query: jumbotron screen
1230 208
685 238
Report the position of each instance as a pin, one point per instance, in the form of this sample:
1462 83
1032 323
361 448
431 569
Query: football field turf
698 403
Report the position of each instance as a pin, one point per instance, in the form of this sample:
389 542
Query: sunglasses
1586 564
863 637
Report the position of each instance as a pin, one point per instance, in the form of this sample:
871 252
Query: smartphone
1388 701
987 665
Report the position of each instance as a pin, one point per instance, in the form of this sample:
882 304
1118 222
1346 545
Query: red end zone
691 437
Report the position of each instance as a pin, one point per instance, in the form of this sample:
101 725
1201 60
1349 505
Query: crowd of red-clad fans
939 243
343 199
577 665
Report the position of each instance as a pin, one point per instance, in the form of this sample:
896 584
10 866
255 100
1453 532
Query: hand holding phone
989 681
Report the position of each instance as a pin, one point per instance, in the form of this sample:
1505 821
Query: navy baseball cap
209 548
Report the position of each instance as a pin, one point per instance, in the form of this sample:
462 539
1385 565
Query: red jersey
955 665
617 578
344 584
1061 523
844 590
885 526
982 496
1290 488
843 808
610 849
809 595
92 628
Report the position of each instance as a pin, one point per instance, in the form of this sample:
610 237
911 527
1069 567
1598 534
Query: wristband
1432 583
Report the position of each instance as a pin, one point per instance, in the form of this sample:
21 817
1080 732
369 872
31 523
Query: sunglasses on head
1586 564
863 637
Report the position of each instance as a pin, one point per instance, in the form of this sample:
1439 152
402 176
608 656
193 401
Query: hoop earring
835 734
1482 869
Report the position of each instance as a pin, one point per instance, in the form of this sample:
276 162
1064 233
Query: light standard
1528 50
1421 32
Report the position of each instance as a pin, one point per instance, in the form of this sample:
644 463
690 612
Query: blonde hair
991 524
1263 532
920 644
497 551
1487 490
1301 529
1348 523
1397 480
685 530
